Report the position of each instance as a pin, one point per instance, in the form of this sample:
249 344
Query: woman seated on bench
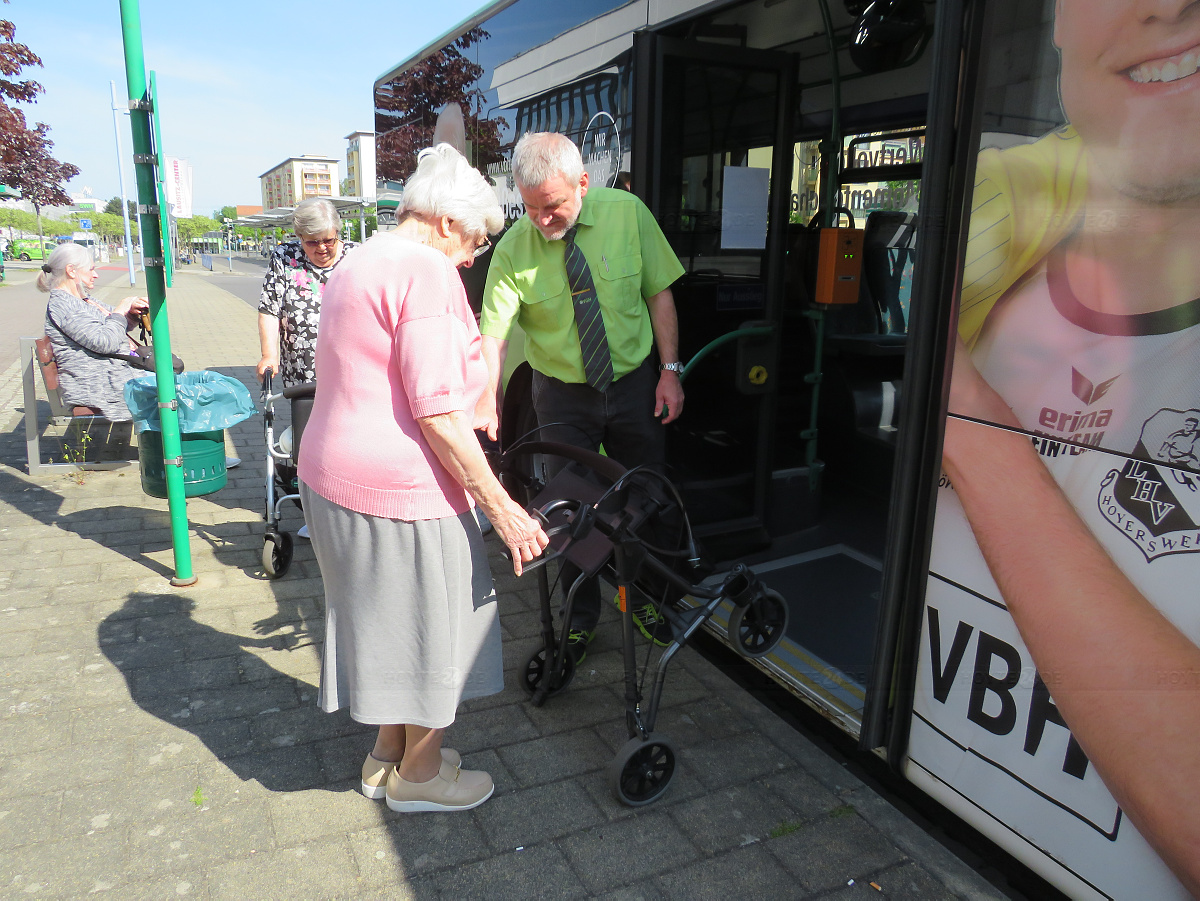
84 332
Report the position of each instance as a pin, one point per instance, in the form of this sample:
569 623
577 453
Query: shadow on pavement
259 722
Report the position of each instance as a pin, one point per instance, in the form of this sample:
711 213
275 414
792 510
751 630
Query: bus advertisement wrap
1058 693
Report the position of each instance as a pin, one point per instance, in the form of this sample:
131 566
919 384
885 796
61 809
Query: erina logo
1082 387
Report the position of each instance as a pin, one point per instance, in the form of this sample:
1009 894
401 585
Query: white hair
54 270
315 216
543 155
445 184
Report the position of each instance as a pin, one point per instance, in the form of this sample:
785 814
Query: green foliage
112 227
191 229
25 161
113 208
77 453
785 828
15 221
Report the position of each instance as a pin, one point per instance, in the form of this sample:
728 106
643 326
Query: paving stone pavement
162 742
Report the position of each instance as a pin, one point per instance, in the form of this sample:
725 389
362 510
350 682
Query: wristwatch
676 368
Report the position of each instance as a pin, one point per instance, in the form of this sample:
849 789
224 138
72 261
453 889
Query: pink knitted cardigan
397 342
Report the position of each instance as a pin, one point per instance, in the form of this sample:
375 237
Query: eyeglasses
481 249
322 242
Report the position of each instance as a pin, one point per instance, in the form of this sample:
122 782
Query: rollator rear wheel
642 770
757 628
277 553
537 669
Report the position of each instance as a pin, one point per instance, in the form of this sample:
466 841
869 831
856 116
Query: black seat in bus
867 344
877 324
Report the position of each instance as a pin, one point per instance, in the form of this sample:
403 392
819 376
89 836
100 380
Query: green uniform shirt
630 261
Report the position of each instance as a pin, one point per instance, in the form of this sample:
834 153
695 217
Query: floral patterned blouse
292 293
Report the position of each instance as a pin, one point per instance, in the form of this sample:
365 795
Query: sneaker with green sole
577 643
653 624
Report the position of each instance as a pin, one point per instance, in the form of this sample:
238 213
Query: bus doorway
786 459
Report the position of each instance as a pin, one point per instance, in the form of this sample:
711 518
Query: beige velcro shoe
453 788
375 773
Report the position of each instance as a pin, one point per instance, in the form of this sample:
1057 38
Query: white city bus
1020 176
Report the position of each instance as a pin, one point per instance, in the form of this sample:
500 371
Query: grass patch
785 828
844 811
198 797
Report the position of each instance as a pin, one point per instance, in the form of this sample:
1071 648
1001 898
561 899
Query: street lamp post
121 177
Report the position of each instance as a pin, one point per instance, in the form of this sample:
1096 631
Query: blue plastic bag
208 402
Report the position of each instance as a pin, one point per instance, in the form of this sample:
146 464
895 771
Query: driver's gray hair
543 155
315 216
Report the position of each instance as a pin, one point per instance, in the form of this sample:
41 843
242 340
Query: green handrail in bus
718 341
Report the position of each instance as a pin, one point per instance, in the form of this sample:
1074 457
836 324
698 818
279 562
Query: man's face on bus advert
1130 86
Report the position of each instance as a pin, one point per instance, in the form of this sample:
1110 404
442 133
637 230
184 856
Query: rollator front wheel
537 668
642 770
757 628
277 553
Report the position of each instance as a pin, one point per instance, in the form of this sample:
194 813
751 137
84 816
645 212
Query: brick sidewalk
161 742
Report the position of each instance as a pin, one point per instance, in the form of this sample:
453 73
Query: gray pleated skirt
412 625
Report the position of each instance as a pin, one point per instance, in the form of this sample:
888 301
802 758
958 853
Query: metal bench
38 353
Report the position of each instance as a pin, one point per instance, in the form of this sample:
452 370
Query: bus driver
587 274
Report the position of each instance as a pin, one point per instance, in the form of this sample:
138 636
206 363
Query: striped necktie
593 344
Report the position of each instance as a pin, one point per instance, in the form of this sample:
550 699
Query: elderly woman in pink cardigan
390 472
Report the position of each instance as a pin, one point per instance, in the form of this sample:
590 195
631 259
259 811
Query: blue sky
241 85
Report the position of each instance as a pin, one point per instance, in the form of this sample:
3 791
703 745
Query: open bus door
793 446
711 126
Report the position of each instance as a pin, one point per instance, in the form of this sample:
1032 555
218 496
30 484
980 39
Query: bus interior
787 456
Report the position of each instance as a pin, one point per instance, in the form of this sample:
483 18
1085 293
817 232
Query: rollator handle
550 553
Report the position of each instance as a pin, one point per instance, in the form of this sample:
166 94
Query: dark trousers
622 419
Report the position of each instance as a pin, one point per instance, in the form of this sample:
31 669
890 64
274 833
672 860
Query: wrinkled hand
669 393
521 533
133 307
266 363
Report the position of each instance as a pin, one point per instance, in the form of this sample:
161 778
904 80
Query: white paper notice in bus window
744 208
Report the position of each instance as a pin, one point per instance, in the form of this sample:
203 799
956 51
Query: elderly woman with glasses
390 472
289 308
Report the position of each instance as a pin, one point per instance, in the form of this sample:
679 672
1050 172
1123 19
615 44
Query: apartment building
299 178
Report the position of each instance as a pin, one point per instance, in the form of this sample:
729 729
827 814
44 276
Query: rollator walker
282 485
607 520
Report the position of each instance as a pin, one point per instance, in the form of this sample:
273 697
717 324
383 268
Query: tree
406 109
109 226
191 229
25 160
113 208
13 58
34 172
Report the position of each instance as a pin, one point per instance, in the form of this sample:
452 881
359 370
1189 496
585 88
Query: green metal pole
831 158
155 259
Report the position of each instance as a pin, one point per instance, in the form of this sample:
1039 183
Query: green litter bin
209 403
203 463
